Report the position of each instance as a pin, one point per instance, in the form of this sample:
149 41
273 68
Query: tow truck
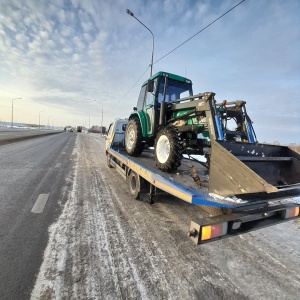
242 184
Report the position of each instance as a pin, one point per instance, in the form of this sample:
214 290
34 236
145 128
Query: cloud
93 49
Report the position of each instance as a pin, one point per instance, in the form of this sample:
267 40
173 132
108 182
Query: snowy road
105 245
33 191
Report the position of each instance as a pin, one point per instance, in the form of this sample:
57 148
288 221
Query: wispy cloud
60 52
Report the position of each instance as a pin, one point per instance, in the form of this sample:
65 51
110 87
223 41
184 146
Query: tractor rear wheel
168 149
133 137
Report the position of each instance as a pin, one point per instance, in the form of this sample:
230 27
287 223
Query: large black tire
134 184
133 137
168 149
108 159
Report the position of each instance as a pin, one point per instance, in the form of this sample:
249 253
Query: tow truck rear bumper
219 227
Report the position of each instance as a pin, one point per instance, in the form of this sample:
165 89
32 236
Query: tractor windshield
175 90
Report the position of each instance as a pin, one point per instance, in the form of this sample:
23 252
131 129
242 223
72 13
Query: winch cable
204 164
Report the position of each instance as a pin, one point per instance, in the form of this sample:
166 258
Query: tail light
290 212
212 231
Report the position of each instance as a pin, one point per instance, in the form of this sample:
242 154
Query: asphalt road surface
29 170
102 244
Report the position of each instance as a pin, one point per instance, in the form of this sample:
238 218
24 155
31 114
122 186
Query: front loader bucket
244 168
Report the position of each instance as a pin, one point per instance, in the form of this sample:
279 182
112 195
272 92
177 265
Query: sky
60 56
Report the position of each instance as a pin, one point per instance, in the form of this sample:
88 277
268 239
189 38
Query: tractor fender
143 121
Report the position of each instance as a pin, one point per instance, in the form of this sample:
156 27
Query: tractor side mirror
150 86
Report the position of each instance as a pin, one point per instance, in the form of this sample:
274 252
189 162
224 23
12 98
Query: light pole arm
152 54
151 65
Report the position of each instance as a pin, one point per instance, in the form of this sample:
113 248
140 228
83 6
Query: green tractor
171 119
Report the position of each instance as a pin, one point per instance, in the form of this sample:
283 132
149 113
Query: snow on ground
81 258
106 245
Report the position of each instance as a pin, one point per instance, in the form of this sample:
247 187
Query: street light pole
130 13
89 119
102 120
12 111
101 116
40 118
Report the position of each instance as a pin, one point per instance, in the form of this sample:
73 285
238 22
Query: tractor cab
161 87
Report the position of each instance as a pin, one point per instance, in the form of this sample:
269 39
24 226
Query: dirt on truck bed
106 245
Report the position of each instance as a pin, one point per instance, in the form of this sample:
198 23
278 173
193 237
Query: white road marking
40 203
63 153
58 165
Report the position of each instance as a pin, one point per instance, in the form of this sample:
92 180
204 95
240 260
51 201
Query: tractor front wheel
168 149
133 137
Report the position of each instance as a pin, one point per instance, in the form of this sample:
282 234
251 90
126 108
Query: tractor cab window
149 98
175 90
141 98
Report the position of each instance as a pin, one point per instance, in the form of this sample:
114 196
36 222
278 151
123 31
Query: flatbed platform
182 185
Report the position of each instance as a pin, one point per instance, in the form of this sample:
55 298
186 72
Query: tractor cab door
146 104
149 106
149 109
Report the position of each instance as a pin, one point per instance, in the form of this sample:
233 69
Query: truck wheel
134 185
133 137
168 149
108 159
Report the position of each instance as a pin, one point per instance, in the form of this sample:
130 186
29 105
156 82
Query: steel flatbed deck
181 184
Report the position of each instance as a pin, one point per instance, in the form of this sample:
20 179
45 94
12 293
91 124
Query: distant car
71 130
